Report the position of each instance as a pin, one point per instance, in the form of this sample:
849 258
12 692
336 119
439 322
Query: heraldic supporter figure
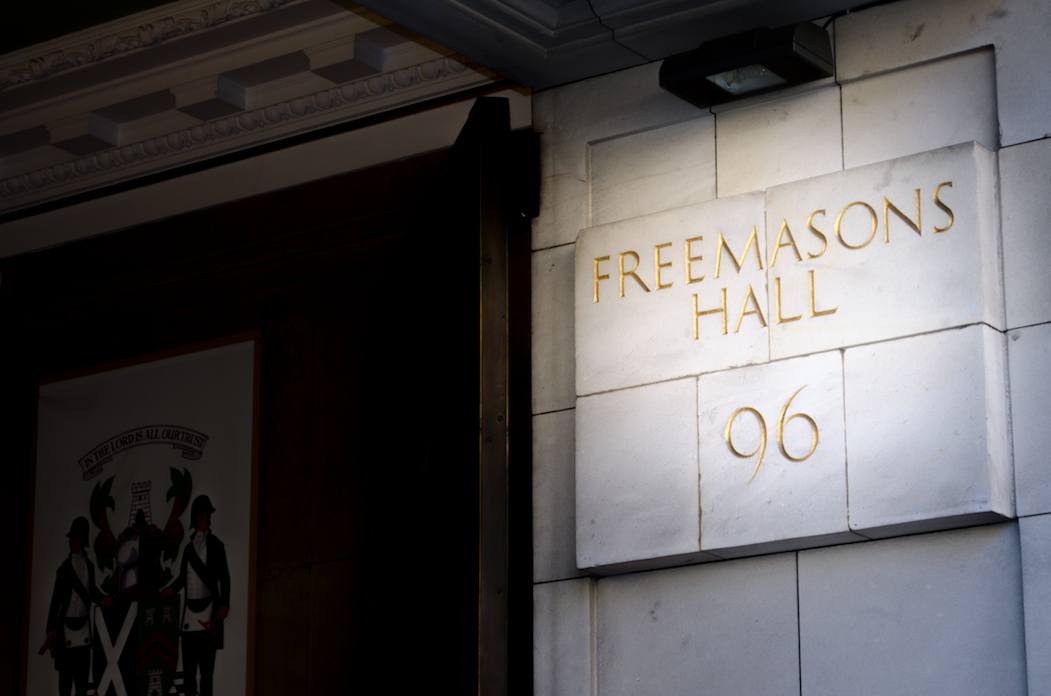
206 578
69 630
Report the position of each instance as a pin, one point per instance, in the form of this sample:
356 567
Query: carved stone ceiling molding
196 79
348 101
541 43
121 37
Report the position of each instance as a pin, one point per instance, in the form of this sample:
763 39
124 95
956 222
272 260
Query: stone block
543 107
637 497
603 107
927 432
722 628
385 50
892 36
573 115
643 328
779 140
653 170
1029 353
552 337
563 210
554 521
1025 179
881 39
1035 533
566 157
935 614
116 122
851 267
562 638
920 108
795 495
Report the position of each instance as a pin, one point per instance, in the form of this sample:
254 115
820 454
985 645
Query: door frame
503 168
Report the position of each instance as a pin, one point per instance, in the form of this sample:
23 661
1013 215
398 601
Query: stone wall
964 610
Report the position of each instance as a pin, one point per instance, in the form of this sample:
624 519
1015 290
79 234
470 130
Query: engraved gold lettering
752 240
917 226
749 298
690 258
814 311
790 243
698 313
630 272
760 449
945 208
598 276
817 233
658 265
781 421
872 231
777 303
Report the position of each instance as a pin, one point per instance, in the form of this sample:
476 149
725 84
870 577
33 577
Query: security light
746 64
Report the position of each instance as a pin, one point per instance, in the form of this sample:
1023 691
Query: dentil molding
126 35
344 102
197 79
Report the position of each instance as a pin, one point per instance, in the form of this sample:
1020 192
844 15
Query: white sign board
819 325
142 534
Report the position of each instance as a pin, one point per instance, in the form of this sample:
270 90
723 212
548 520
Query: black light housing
743 65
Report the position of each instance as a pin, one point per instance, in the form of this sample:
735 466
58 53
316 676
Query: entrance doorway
393 518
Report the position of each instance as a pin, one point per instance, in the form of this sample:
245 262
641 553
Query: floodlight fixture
750 63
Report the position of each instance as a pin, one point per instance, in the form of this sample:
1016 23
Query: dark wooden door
364 291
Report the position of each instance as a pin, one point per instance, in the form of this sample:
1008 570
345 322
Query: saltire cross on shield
145 654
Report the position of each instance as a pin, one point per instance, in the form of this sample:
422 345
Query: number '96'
782 419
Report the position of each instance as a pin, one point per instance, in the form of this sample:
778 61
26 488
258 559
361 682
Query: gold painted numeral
760 450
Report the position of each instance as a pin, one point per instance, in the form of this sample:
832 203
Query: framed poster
141 550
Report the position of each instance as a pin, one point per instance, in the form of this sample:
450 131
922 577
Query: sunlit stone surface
721 628
934 614
927 438
562 638
864 273
751 505
1030 361
1035 533
647 334
653 170
637 496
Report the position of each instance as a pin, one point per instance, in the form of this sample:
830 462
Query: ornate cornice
542 43
134 33
340 103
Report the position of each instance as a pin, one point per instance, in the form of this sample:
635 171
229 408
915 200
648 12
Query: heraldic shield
156 647
106 598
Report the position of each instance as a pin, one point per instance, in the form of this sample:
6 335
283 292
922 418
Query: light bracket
743 65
